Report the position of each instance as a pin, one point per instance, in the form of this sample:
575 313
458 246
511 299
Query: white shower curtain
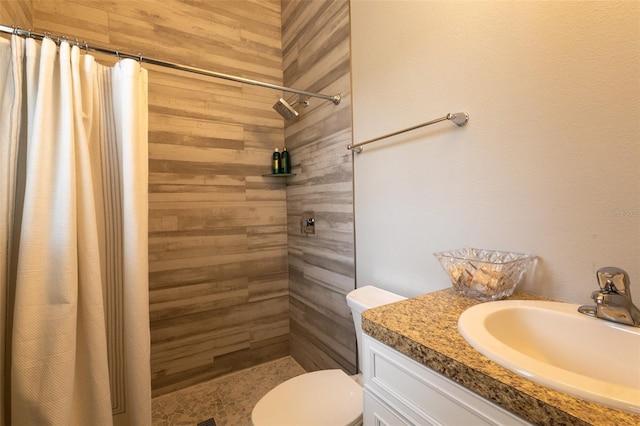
73 239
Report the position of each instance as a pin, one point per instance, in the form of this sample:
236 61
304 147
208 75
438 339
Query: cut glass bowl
484 274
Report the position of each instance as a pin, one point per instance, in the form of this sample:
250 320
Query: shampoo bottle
285 161
276 162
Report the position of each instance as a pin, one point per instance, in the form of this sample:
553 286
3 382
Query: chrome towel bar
459 118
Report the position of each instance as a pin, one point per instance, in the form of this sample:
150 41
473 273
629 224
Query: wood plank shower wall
17 13
316 47
217 228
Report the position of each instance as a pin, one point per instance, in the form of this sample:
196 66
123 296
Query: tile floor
228 399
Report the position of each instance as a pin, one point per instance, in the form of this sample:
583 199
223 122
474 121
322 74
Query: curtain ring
117 54
86 46
140 57
15 30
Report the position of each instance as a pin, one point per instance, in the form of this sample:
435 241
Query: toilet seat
326 397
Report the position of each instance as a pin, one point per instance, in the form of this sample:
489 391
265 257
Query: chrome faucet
613 300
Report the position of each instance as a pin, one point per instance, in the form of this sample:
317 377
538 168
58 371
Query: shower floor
228 399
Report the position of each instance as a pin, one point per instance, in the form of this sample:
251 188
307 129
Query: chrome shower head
285 109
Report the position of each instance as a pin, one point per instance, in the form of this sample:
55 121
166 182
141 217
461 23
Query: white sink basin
553 344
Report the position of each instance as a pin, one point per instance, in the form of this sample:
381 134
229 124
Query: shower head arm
335 98
301 101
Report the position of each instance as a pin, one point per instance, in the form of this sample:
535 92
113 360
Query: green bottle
276 162
285 161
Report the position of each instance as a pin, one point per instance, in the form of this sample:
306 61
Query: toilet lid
326 397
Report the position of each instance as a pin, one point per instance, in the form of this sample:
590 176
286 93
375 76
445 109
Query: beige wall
549 163
217 228
321 267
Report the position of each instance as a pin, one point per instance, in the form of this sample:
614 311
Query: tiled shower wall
315 40
217 228
17 13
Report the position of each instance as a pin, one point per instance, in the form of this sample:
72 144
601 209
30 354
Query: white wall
549 163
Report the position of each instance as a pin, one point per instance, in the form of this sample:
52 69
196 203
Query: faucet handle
614 280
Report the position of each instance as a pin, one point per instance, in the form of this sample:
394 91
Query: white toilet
326 397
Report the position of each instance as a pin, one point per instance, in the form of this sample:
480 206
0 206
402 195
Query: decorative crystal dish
484 274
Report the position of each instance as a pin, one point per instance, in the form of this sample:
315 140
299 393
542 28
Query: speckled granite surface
425 328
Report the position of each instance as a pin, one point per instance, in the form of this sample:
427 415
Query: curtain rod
459 118
28 33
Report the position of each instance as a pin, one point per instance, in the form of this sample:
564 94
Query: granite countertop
425 328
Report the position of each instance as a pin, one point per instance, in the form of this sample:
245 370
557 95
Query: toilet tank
364 298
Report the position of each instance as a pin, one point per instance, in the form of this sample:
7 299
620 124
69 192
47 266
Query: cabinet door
422 395
377 413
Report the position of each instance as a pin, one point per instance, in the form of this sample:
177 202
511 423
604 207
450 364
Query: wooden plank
16 13
321 267
71 19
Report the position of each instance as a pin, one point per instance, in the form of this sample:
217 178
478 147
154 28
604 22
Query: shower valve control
308 223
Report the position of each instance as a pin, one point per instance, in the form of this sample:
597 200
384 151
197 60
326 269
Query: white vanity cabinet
401 391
